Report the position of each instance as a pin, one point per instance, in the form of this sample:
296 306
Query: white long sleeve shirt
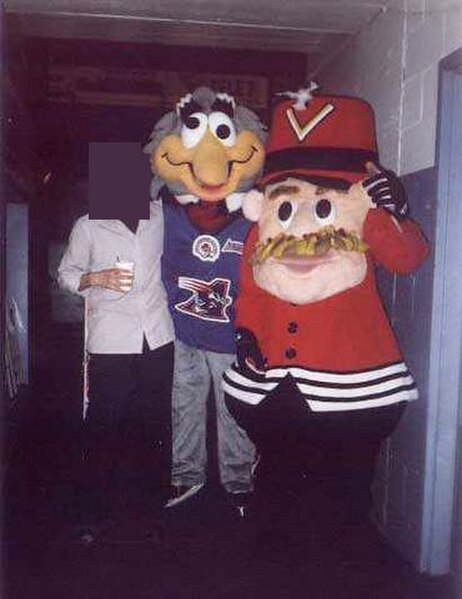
117 322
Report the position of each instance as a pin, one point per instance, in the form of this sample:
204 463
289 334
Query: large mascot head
312 207
209 147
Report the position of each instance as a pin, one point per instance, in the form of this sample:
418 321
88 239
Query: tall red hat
322 137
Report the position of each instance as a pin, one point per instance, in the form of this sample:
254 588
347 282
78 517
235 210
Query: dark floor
207 553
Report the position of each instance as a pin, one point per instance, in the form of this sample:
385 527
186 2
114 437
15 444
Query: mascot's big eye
193 129
223 128
286 213
324 212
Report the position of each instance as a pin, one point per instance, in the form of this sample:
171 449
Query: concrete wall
433 29
371 67
393 63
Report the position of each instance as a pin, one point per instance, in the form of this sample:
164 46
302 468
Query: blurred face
310 244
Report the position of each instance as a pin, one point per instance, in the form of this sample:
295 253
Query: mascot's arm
399 246
249 309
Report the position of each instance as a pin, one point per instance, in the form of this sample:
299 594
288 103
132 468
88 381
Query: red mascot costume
320 381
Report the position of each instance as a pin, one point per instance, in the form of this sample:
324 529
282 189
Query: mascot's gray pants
194 373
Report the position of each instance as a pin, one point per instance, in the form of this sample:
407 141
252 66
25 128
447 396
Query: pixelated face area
118 181
319 252
209 156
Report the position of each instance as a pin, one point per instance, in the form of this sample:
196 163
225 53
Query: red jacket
349 330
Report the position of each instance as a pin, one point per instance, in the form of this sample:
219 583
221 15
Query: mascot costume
319 380
204 156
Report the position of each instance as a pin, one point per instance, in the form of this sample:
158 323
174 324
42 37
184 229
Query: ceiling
318 28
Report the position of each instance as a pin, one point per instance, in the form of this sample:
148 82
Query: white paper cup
126 266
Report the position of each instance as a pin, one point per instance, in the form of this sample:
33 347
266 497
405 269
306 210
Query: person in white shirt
116 266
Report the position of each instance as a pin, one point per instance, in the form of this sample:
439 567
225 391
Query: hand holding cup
119 278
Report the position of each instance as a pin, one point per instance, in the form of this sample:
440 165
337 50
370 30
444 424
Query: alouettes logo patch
209 300
206 248
302 131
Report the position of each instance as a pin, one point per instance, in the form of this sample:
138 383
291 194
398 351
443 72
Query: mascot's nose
210 161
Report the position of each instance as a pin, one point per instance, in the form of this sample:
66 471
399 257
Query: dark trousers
317 466
127 432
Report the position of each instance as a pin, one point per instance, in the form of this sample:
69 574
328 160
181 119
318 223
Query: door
440 483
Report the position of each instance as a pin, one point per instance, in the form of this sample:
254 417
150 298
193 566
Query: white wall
393 63
371 68
433 29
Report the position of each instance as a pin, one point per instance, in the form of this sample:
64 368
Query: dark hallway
205 550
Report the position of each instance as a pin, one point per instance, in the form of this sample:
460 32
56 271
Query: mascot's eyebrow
224 103
186 107
323 190
283 190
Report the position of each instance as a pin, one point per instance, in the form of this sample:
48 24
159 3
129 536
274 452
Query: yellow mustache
312 244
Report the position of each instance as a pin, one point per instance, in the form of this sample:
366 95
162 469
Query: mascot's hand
386 191
249 356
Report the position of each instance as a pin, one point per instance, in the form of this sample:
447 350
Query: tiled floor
207 551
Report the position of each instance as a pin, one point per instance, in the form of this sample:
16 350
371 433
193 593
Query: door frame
440 482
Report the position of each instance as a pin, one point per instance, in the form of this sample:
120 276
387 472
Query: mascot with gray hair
204 156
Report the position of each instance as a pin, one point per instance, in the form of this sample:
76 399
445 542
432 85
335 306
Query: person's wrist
90 279
83 283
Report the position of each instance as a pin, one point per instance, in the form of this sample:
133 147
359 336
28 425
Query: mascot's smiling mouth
253 150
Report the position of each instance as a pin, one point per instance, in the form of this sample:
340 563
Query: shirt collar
233 201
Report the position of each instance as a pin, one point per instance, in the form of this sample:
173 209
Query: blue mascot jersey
201 273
